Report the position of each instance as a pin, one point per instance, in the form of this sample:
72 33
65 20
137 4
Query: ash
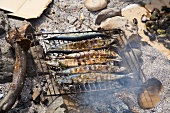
155 64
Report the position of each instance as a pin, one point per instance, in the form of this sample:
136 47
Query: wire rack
122 48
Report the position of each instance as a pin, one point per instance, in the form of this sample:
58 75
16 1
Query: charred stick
21 45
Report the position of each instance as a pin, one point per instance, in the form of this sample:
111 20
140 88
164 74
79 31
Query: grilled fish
92 54
83 45
79 62
77 37
91 78
93 68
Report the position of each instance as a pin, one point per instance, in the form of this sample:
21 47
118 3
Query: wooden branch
21 45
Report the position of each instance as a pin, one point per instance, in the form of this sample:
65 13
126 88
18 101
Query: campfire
100 68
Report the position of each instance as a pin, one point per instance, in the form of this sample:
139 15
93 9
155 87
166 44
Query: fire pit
113 75
88 94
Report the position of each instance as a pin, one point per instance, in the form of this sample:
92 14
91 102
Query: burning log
21 46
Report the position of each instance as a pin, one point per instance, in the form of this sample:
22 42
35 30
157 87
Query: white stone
1 96
95 5
119 22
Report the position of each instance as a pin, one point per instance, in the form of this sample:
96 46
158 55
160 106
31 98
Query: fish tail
131 75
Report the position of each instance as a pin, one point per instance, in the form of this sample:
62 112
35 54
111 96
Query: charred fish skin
52 63
78 37
92 78
92 54
93 68
80 62
83 45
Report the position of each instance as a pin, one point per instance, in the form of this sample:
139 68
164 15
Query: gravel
155 64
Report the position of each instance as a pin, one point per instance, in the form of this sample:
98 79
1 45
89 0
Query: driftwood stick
21 45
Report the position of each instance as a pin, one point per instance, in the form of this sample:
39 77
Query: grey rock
119 22
107 13
2 31
4 25
6 62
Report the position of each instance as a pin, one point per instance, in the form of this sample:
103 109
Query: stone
2 31
137 11
154 85
1 95
6 62
6 53
119 22
147 100
4 25
107 13
167 44
148 95
95 5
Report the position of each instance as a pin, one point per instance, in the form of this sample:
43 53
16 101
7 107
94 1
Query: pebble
143 18
119 22
167 44
1 96
107 13
95 5
147 100
148 95
2 31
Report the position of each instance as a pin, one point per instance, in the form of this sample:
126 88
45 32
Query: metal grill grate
121 47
